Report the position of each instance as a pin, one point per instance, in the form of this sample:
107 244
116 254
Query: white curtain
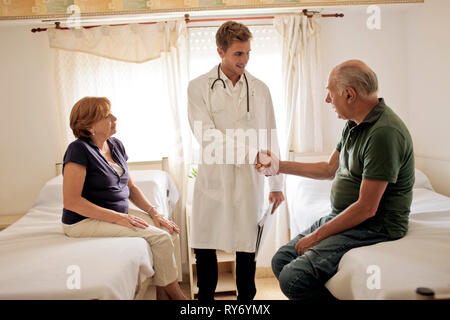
176 63
301 94
143 70
302 83
129 43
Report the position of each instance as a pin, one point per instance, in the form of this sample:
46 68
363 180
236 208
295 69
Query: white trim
162 164
432 157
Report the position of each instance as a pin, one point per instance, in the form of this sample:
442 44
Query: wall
383 50
411 56
28 132
428 65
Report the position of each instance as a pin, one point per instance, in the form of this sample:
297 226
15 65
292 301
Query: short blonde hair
86 112
231 31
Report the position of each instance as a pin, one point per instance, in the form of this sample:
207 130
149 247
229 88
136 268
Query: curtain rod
187 18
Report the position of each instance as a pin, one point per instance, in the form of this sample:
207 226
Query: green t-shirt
379 148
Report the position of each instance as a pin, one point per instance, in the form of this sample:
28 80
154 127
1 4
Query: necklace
104 152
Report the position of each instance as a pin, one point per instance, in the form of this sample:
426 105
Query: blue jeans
303 277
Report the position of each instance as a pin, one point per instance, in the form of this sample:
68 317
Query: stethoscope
224 86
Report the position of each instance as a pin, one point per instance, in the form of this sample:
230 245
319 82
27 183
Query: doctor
223 105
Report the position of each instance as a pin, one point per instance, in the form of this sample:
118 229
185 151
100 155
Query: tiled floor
266 289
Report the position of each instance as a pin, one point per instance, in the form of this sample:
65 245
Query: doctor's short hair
356 75
230 31
86 112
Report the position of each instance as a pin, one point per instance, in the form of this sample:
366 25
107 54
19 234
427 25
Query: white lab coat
228 198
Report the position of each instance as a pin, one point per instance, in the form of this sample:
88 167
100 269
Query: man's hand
267 163
277 198
306 242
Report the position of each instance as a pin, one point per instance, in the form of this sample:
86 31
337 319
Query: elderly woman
96 189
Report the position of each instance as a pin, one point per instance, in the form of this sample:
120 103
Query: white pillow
307 201
158 188
51 193
422 181
156 185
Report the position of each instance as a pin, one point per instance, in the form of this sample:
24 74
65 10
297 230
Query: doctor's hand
267 163
277 198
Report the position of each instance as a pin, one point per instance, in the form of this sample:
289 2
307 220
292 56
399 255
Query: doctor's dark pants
303 277
207 274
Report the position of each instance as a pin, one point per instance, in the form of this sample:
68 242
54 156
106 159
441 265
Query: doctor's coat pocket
218 102
210 182
219 115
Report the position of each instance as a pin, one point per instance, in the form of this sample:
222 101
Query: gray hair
362 79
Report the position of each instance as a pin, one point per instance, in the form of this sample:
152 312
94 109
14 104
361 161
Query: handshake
267 163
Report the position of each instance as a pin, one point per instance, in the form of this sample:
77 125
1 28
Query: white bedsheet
35 254
420 259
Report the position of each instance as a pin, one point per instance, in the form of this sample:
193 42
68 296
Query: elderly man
373 172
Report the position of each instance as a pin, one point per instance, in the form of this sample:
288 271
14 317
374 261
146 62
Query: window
138 94
265 61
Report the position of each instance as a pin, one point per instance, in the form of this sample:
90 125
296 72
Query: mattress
38 261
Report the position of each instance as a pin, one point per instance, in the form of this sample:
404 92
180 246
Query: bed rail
162 164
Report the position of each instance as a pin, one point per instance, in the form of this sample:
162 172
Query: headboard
162 164
309 157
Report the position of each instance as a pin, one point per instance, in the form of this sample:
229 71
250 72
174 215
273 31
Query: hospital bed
387 270
38 261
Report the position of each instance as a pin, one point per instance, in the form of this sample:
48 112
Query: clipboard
263 228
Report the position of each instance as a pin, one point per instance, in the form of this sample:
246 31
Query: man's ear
220 52
350 94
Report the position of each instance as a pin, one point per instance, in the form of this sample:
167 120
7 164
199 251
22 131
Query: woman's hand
132 222
138 198
160 221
